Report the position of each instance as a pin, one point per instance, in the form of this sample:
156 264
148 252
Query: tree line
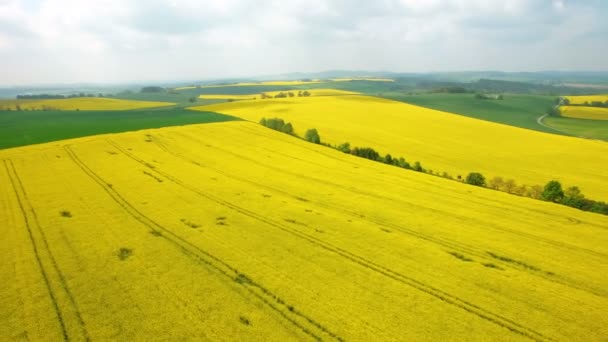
551 192
282 94
600 104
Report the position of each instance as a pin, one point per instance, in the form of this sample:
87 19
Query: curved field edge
294 248
35 127
514 110
441 141
584 128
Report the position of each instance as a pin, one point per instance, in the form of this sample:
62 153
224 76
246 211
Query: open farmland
19 128
442 142
230 231
312 92
583 112
80 103
515 109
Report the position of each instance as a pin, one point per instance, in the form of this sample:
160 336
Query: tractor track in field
443 296
471 200
257 290
471 250
487 224
369 194
32 224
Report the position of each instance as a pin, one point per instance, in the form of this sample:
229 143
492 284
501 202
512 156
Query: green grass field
34 127
515 110
591 129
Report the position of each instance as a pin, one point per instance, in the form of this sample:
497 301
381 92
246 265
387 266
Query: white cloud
120 40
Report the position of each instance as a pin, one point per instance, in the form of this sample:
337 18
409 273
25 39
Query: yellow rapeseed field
584 112
374 79
231 231
81 103
442 142
587 99
167 230
313 92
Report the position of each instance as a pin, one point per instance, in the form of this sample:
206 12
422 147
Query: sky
68 41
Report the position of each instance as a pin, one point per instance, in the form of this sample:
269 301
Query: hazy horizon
116 42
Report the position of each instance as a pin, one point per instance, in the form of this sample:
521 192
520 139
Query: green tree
573 197
418 167
345 147
403 163
388 159
365 152
552 192
475 178
313 136
287 128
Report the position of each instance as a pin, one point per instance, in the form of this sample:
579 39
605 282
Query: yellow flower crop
81 103
442 141
587 99
584 112
232 231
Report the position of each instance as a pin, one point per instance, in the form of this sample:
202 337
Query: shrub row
551 192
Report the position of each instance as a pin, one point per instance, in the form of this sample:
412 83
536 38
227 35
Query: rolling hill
441 141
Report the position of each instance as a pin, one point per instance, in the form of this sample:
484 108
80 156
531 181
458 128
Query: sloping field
514 110
587 99
582 112
440 141
313 92
81 103
231 231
